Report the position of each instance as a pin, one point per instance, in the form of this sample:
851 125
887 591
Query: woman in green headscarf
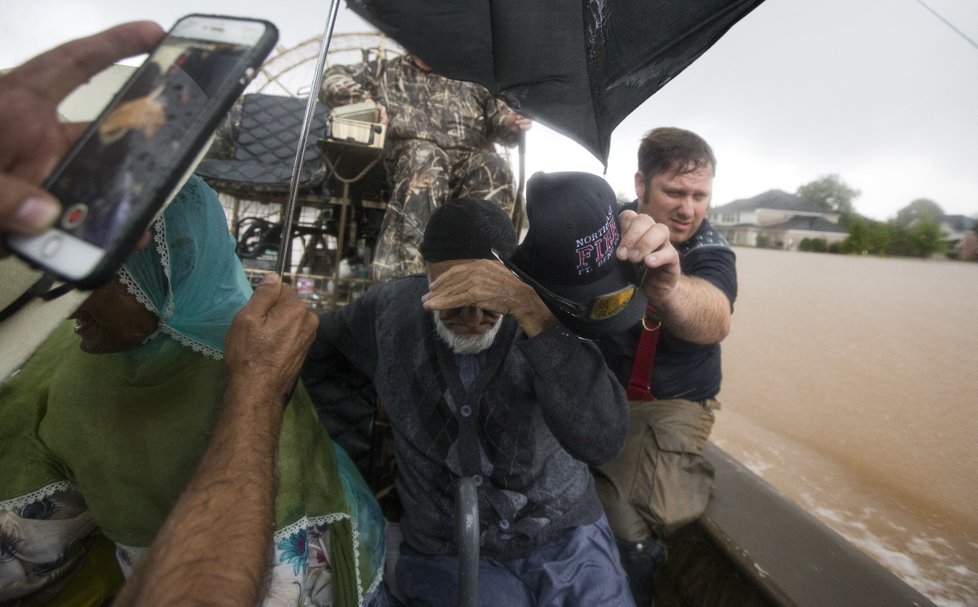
103 427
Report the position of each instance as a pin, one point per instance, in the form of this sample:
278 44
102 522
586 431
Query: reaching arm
33 138
696 311
691 308
214 546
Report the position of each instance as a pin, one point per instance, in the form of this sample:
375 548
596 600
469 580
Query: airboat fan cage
326 228
290 70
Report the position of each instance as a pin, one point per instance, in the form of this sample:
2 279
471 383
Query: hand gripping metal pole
467 515
300 154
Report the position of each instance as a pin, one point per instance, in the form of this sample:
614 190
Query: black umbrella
577 66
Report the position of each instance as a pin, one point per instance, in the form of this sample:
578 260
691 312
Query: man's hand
488 285
691 308
643 241
517 123
269 338
33 139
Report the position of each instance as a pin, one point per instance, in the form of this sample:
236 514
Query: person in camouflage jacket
440 144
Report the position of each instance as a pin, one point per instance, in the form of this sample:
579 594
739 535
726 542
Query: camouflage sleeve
496 113
346 84
225 139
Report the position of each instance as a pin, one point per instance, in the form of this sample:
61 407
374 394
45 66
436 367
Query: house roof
959 223
772 199
809 223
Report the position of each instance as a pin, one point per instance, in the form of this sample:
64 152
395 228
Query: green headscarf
126 430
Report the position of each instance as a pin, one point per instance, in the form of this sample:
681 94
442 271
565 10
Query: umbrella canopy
577 66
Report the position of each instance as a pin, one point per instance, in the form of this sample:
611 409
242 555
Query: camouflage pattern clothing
440 144
225 139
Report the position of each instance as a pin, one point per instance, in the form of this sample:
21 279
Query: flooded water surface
851 384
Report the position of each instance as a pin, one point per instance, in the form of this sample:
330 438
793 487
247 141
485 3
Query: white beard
466 344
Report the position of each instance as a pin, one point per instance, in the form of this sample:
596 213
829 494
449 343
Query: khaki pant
660 481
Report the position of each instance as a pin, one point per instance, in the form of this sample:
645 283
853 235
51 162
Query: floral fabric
107 442
42 536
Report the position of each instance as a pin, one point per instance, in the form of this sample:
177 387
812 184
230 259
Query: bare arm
696 311
489 285
33 138
691 308
214 546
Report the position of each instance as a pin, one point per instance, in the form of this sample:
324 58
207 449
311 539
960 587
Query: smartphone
121 171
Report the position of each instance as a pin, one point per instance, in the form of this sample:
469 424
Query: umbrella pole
519 204
300 154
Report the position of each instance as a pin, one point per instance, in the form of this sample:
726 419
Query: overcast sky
883 94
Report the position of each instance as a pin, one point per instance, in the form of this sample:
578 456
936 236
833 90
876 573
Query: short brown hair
669 148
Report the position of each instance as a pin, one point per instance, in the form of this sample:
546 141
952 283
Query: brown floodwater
851 384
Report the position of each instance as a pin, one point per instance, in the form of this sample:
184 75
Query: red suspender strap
639 386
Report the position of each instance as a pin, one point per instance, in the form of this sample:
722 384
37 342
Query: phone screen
124 161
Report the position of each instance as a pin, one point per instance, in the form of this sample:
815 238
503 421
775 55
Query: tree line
914 232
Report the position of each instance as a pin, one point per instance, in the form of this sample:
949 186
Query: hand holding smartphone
121 171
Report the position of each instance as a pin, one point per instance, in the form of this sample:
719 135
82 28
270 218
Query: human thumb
25 209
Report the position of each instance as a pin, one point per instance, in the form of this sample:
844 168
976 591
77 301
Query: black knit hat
467 228
568 255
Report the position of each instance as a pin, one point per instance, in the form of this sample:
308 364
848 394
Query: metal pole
300 154
518 204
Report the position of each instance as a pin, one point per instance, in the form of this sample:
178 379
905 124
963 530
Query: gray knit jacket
538 412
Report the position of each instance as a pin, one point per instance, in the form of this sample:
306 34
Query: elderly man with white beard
479 379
